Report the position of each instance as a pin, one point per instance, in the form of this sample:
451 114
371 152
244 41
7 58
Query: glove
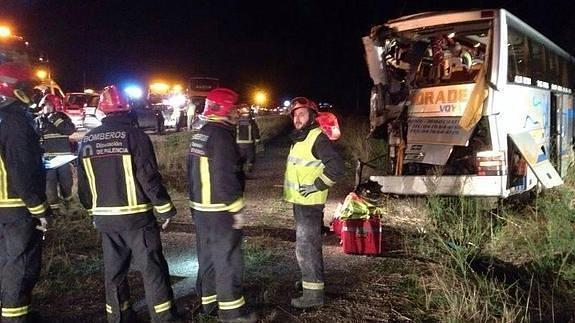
165 224
306 190
43 224
238 221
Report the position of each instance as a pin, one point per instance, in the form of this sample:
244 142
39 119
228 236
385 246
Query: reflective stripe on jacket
118 172
22 174
214 169
303 168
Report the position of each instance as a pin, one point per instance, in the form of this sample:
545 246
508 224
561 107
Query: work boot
246 318
310 298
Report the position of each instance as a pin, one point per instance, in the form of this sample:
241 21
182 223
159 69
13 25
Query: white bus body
471 103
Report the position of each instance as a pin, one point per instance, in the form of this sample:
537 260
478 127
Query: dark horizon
288 48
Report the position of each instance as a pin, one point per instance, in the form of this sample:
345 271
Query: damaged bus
473 103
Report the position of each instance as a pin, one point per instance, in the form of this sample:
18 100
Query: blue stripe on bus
541 157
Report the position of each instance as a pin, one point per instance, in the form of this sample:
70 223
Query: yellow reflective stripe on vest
234 207
120 210
3 181
15 311
163 307
303 162
313 286
303 168
164 207
129 178
209 299
38 209
109 309
205 181
232 305
91 180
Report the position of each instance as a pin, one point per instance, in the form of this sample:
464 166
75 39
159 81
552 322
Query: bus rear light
490 163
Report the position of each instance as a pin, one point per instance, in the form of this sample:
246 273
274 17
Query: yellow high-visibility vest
302 169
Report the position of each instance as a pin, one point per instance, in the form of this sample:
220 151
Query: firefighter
119 184
247 137
313 166
216 201
55 128
24 211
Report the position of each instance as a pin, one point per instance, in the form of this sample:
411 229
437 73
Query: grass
487 262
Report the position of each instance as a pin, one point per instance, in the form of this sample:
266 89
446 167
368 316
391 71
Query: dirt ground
358 288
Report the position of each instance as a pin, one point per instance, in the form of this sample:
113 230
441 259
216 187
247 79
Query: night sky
289 48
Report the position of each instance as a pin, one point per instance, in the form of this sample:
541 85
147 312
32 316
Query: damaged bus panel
471 103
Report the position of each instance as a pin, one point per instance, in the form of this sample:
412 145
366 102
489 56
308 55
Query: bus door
536 159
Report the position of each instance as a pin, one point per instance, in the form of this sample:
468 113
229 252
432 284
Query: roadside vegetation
507 261
447 259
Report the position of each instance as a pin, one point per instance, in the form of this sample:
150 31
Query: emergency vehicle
474 103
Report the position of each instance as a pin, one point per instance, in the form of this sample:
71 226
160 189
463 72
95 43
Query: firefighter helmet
53 99
302 102
220 102
113 100
16 83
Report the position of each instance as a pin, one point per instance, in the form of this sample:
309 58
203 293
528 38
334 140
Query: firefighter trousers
248 155
20 260
220 259
144 248
308 247
59 179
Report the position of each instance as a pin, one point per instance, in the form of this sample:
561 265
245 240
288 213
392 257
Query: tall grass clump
171 152
501 262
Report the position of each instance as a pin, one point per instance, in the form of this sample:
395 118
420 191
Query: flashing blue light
134 92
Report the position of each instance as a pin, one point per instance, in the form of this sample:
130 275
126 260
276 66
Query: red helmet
53 99
112 100
302 102
220 102
16 83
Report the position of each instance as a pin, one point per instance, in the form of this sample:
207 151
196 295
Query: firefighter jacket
22 174
214 169
118 178
312 160
247 131
55 130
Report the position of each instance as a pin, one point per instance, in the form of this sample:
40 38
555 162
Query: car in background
75 104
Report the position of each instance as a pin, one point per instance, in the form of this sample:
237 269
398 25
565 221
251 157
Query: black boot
310 298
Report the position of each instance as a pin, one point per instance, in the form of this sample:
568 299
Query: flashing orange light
260 97
177 88
41 74
5 31
159 87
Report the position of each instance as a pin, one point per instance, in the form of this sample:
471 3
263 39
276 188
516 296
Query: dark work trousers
144 247
59 178
308 219
248 155
20 260
220 262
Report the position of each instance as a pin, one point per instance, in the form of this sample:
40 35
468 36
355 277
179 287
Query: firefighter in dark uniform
313 166
119 184
247 137
216 200
23 207
55 128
